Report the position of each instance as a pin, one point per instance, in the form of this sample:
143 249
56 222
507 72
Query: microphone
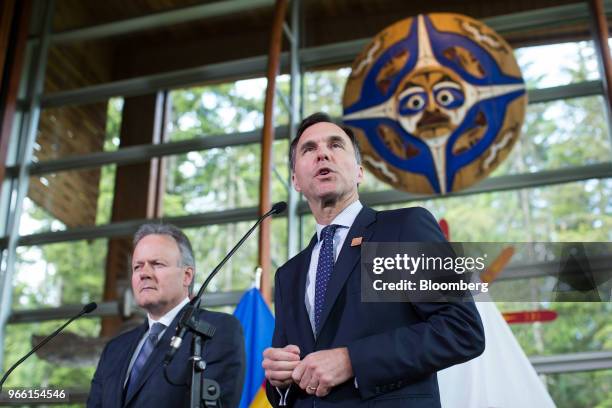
88 308
194 304
278 208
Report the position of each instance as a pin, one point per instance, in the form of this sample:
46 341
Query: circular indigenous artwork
436 101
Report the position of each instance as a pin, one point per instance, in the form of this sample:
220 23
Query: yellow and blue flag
258 325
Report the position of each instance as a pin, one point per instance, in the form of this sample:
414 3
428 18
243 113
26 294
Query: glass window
579 327
324 90
211 243
563 133
195 182
281 182
585 389
57 274
36 372
578 211
212 180
551 65
226 108
222 178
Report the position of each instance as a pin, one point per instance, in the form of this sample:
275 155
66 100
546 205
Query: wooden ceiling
246 34
69 196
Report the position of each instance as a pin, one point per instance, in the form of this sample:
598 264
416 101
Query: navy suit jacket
395 348
224 355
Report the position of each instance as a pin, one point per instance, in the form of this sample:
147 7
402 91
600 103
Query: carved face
436 101
429 103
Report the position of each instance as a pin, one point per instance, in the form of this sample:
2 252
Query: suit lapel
303 320
156 357
347 260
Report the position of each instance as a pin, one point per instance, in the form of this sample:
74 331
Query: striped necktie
325 266
143 356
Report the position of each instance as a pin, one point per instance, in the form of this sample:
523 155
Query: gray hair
184 246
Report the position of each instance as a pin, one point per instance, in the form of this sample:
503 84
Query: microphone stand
88 308
205 391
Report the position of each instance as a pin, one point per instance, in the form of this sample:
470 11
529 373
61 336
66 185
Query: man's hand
318 372
279 363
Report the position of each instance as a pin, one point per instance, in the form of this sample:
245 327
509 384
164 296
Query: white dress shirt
166 320
345 219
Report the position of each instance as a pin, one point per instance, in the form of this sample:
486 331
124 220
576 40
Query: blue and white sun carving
436 101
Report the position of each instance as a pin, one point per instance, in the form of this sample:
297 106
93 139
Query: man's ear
359 174
188 276
294 182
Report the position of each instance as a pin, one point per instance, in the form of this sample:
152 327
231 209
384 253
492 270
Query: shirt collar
167 319
345 218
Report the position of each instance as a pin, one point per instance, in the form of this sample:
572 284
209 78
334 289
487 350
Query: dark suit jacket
395 348
224 355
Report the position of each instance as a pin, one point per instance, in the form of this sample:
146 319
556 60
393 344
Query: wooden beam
7 11
600 36
266 149
14 23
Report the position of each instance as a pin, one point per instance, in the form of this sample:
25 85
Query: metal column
19 186
295 102
600 34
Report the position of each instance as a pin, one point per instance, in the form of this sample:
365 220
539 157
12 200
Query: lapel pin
356 241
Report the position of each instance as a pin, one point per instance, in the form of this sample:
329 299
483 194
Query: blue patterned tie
144 354
324 270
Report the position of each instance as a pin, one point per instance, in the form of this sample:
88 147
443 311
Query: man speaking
131 371
329 349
